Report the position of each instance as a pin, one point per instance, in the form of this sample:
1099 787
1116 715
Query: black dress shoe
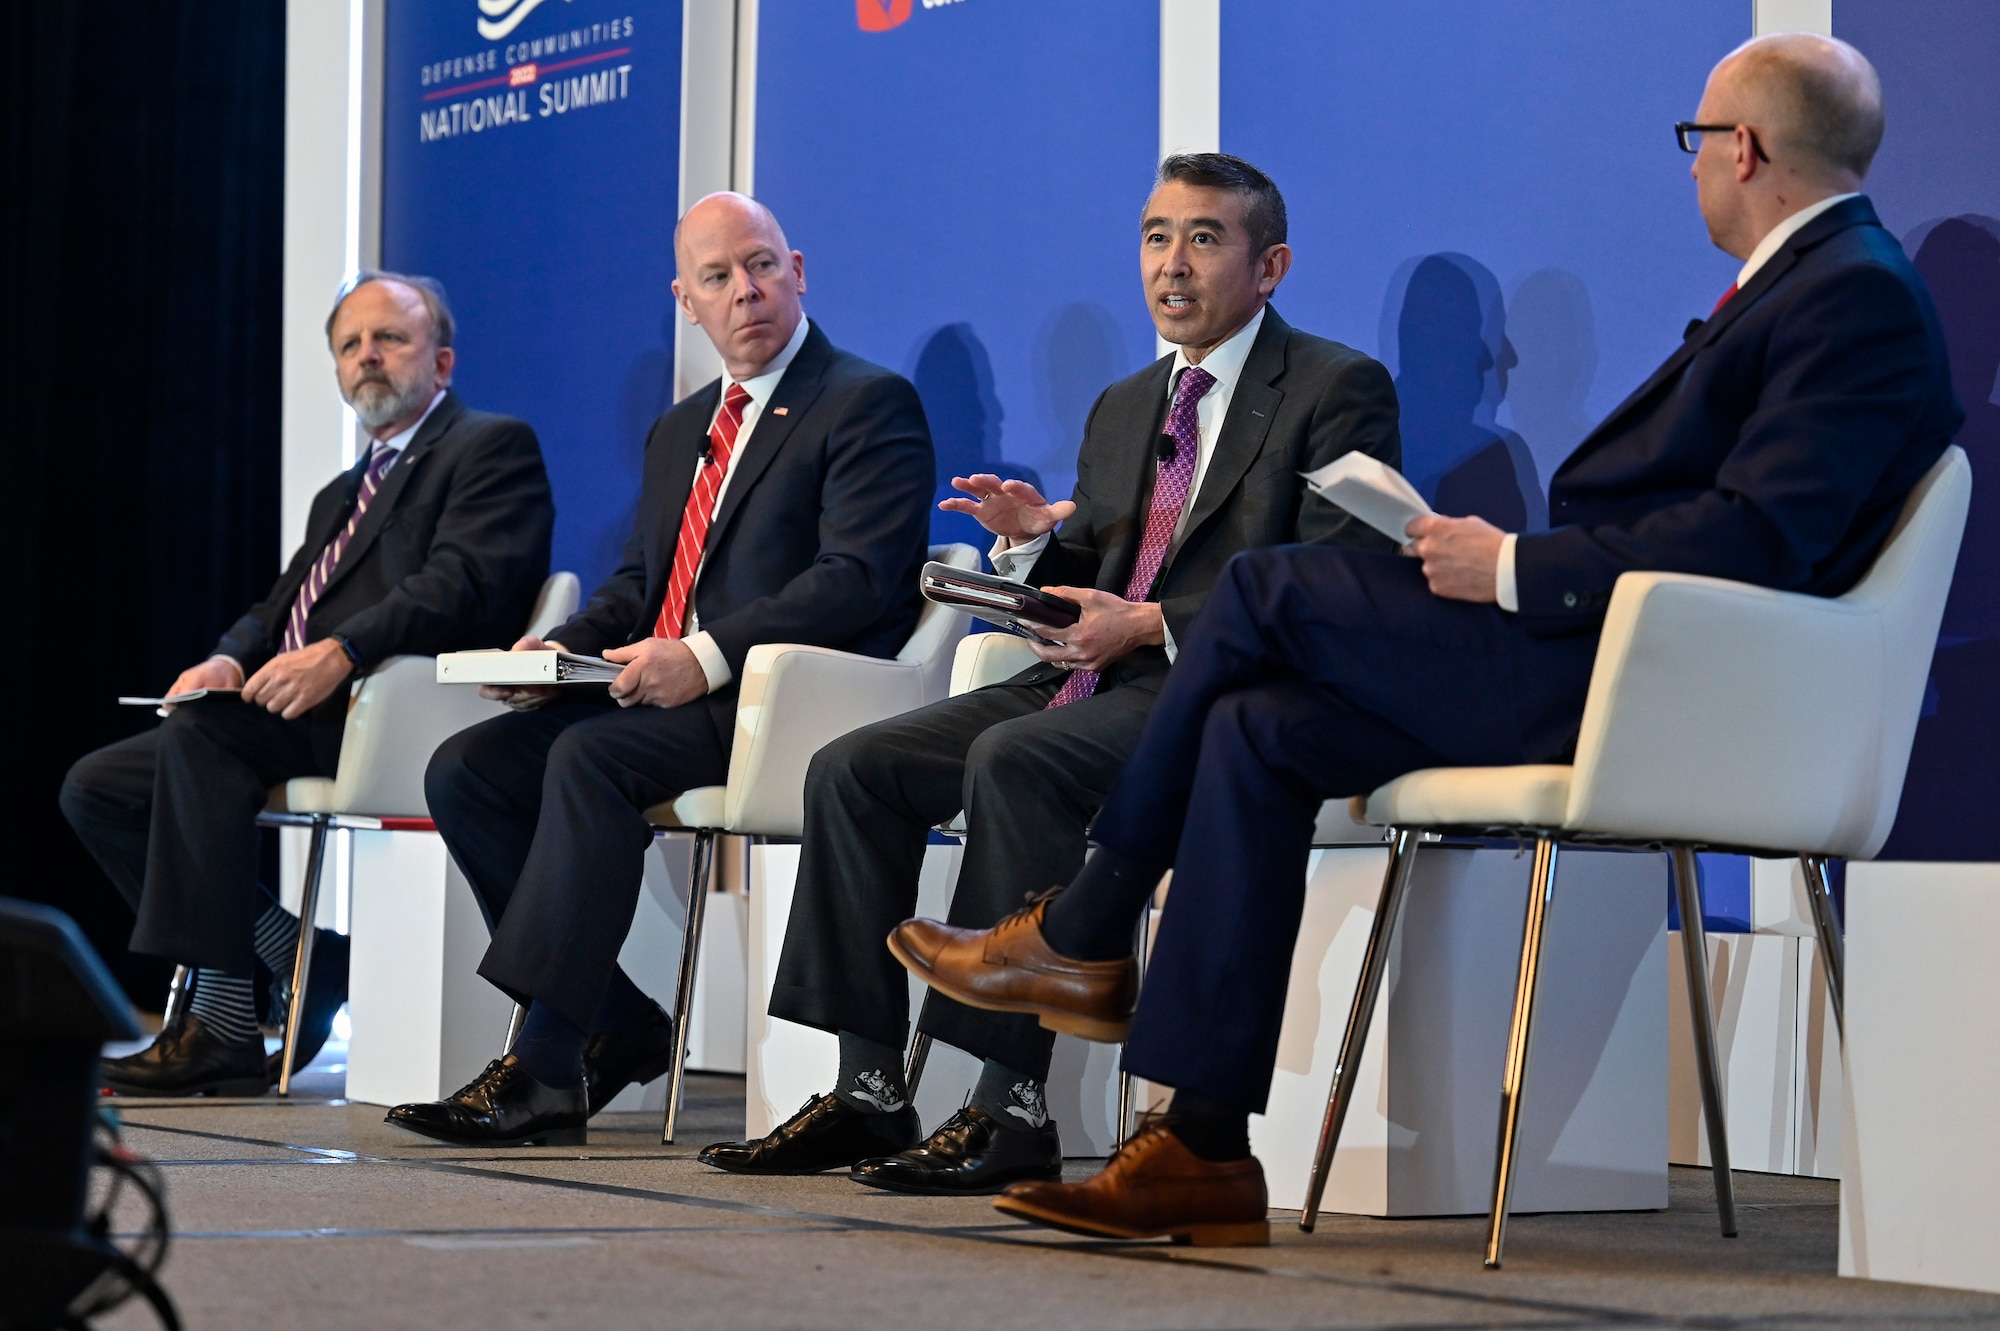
326 990
189 1058
613 1060
971 1152
826 1133
504 1106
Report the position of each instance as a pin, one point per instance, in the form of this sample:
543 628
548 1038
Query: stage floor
315 1214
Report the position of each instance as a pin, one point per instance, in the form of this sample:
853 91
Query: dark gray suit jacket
449 555
1301 402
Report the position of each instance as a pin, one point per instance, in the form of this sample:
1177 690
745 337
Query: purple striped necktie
379 461
1170 495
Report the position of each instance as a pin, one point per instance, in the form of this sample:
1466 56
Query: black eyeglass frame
1683 128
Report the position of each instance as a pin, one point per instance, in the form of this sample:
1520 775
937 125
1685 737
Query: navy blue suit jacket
1775 447
819 538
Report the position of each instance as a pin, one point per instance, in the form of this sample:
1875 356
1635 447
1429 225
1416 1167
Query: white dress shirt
395 443
1506 591
1226 364
713 663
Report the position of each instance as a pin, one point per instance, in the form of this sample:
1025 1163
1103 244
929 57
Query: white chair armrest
1698 725
793 701
988 658
397 717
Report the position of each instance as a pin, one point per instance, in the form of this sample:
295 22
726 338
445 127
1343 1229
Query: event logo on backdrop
570 69
874 15
531 163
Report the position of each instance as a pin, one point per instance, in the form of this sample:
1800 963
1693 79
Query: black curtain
142 270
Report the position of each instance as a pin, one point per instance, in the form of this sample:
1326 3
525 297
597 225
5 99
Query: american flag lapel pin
780 411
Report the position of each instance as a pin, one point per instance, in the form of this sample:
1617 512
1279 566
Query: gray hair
1825 95
429 289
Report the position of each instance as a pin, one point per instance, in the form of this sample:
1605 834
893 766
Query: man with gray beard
436 540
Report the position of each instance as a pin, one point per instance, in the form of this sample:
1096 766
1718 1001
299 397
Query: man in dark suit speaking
786 502
1777 447
436 540
1182 465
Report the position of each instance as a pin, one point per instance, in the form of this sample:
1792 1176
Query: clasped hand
1110 627
293 683
1461 556
659 672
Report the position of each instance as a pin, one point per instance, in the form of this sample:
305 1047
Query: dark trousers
171 815
1312 672
1029 780
544 812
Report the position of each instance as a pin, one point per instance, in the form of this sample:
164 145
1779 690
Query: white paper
1376 493
164 705
518 669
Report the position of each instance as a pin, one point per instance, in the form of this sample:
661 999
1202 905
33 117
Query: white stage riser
424 1023
1780 1051
1420 1135
1921 1158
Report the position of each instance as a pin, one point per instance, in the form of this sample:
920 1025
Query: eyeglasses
1689 135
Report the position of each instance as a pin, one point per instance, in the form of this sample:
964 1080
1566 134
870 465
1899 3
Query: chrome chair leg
1125 1087
913 1071
700 871
1694 953
1360 1013
1827 933
514 1020
302 955
1540 888
178 993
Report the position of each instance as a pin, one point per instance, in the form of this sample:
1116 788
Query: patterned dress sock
1012 1099
550 1047
227 1005
276 938
871 1075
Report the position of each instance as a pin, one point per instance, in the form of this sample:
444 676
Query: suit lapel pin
780 411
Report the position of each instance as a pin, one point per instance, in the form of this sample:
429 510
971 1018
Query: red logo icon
520 75
881 15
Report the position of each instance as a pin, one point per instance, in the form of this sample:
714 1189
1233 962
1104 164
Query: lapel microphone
707 451
1164 450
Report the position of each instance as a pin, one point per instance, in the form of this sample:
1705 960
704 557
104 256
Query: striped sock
276 938
227 1005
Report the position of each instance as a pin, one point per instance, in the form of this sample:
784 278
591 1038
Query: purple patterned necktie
379 463
1170 494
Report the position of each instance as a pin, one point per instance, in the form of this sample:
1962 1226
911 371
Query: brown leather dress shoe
1009 968
1154 1187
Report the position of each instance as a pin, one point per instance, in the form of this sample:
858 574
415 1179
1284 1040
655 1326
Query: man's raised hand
1014 510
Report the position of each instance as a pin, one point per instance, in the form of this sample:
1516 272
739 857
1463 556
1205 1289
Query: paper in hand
167 703
1376 493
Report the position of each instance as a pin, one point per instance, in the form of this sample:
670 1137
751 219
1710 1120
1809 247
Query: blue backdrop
531 162
1937 186
966 188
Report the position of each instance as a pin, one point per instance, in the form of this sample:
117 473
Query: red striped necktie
379 461
700 509
1724 301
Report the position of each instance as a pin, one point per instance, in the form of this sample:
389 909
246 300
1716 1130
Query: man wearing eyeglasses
1777 447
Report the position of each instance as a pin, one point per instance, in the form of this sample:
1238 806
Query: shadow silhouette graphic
1953 784
954 377
1079 351
1453 362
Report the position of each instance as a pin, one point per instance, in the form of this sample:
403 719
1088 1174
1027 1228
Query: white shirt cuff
1167 632
713 663
1504 590
1015 562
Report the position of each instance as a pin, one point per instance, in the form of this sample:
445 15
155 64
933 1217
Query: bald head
1816 100
738 279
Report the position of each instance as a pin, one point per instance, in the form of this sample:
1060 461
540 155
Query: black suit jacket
450 554
819 538
1776 446
1301 402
